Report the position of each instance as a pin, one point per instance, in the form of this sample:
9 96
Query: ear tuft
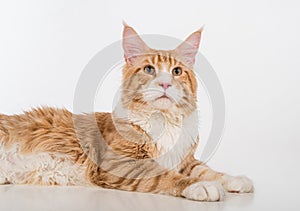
124 23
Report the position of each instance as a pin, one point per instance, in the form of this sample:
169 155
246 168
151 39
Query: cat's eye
149 70
177 71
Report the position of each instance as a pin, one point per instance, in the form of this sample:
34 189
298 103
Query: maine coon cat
145 145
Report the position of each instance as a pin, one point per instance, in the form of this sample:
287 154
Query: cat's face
159 79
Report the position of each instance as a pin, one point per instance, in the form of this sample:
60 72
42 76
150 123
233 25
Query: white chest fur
174 135
176 140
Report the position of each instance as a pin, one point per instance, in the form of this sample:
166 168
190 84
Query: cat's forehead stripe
164 61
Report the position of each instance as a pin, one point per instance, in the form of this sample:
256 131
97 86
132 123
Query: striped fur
146 144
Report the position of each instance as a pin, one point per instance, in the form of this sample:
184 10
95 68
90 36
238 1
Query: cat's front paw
204 191
239 184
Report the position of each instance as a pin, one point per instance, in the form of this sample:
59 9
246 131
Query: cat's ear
133 45
189 48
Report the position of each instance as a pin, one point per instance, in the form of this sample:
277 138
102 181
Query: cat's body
40 147
147 144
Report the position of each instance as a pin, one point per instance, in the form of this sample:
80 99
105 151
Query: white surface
253 46
74 198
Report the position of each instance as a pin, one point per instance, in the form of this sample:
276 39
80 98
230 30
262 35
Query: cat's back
36 126
39 143
34 120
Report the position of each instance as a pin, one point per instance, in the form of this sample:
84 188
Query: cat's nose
165 86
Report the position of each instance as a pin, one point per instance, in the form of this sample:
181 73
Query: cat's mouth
164 96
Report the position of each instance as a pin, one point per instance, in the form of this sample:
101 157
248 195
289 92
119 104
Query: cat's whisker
49 146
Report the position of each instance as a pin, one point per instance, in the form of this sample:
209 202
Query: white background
253 46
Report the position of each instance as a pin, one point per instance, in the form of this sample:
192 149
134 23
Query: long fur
146 144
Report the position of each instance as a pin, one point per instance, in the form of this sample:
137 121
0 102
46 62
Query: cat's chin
162 103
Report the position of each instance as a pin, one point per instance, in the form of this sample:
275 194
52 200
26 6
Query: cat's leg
235 184
148 176
40 169
3 174
3 179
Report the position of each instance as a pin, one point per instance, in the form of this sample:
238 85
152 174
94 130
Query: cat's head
159 79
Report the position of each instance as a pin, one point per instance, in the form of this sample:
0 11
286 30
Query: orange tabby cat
48 146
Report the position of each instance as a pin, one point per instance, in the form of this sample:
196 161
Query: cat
146 144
